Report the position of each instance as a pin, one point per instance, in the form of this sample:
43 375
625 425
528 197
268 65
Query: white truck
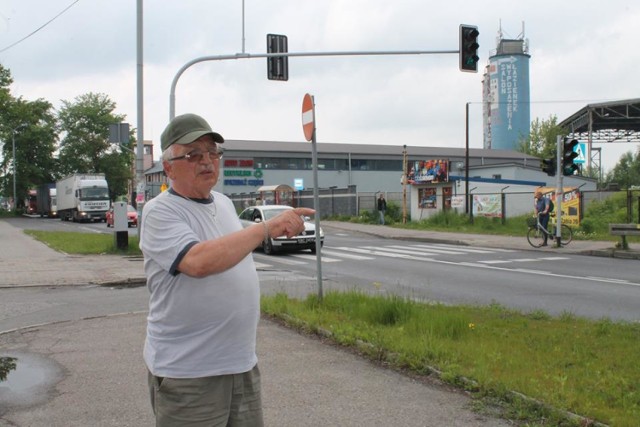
83 197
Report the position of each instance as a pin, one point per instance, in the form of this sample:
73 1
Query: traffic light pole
559 189
172 96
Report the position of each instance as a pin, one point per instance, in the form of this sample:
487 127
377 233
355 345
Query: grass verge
84 243
541 369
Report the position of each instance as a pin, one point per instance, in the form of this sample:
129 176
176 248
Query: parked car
305 240
132 217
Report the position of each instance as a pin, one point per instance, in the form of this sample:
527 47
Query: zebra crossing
415 252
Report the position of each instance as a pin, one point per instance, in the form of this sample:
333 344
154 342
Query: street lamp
15 170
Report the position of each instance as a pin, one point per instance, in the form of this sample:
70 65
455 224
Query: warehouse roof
606 121
368 150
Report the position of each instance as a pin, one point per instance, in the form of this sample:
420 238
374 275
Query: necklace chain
214 208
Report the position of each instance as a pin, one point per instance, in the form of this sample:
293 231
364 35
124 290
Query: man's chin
207 178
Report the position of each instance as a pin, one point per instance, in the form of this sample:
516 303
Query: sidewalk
98 377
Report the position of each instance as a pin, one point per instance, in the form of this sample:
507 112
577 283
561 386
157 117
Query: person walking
541 207
382 208
204 303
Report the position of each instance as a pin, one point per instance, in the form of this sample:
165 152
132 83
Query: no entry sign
308 117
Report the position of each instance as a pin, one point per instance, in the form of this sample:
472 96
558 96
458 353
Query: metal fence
333 201
348 202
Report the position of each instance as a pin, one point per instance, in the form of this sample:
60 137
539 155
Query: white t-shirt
197 327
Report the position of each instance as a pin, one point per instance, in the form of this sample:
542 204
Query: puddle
30 381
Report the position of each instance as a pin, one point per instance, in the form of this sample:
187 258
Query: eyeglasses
197 155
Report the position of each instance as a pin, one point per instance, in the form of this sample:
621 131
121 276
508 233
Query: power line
39 28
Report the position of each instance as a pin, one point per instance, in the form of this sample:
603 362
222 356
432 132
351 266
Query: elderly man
204 292
541 207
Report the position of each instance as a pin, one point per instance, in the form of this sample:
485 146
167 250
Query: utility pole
15 169
404 184
140 185
559 189
466 160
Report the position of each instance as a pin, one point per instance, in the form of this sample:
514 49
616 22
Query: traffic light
568 156
277 66
548 166
469 48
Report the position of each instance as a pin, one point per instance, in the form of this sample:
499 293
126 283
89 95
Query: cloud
580 53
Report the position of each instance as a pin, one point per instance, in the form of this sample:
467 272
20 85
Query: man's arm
217 255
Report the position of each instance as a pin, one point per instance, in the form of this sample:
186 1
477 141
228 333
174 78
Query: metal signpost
309 128
559 189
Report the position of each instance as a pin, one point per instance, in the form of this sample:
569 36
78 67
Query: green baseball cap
185 129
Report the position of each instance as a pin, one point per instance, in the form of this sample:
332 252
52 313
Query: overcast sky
581 52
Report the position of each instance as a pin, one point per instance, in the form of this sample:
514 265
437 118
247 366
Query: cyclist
541 207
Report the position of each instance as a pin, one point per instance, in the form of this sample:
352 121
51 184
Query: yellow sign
163 187
570 204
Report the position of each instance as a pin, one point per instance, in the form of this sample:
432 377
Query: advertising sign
489 205
570 204
457 202
428 171
427 197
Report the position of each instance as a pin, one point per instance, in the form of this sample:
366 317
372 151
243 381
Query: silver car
304 240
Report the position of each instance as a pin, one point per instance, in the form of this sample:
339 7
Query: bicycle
535 234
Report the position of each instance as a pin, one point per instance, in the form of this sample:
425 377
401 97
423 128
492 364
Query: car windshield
131 209
272 213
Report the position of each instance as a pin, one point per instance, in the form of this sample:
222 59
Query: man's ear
168 170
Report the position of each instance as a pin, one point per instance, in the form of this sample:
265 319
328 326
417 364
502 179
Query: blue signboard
581 149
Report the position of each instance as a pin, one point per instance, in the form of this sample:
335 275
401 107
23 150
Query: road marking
483 248
606 279
495 261
285 260
385 254
413 248
348 256
457 248
408 251
261 265
314 258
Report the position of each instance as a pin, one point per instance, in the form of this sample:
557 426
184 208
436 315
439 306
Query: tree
86 148
542 140
32 126
626 172
35 142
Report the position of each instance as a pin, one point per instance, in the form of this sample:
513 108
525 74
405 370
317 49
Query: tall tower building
505 95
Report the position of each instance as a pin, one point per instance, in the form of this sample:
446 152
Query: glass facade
327 164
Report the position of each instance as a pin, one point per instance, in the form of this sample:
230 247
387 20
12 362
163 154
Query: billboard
570 204
428 171
508 101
